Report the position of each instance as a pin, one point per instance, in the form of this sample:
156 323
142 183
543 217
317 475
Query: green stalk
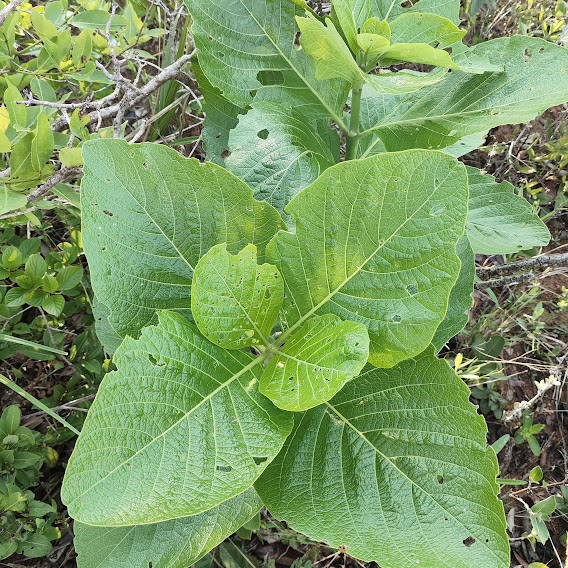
353 134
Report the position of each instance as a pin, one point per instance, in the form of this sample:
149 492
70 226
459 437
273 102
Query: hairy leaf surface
221 116
499 221
277 153
390 9
375 243
235 302
315 362
247 47
148 216
439 115
394 468
460 300
171 544
178 429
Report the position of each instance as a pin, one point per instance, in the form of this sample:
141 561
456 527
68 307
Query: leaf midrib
143 207
332 293
395 467
206 399
333 115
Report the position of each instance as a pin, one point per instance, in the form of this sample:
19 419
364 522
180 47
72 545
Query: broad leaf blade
315 362
246 49
235 302
499 221
391 9
395 469
148 216
439 115
426 28
277 153
178 429
460 300
221 116
171 544
359 250
330 55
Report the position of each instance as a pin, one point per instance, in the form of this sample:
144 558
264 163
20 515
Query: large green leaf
178 429
395 469
439 115
235 302
460 300
426 28
171 544
375 243
148 216
277 153
246 47
390 9
315 362
499 221
221 116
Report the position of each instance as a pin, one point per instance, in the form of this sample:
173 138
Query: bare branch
132 97
515 279
525 267
543 261
59 176
7 10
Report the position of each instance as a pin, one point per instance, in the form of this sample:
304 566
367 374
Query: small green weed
27 523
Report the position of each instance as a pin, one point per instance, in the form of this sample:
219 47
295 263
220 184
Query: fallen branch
135 95
59 176
508 274
541 388
7 10
543 261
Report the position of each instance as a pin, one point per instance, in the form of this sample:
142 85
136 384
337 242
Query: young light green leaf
330 55
235 302
10 200
344 12
439 115
18 113
378 27
237 32
71 157
358 250
42 144
372 45
221 116
211 433
315 362
277 153
149 215
395 469
82 47
170 544
402 82
417 53
499 221
460 300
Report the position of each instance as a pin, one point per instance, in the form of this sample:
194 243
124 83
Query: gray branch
7 10
134 95
508 274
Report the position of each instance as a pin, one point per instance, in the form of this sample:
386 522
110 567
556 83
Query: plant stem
353 134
